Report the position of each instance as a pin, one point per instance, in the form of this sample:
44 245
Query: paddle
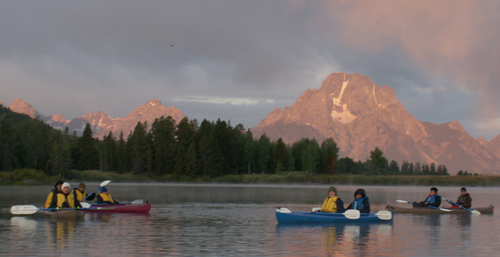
105 182
384 215
442 209
31 209
475 212
352 214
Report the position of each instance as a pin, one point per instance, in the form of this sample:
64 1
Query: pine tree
330 155
89 152
378 160
280 156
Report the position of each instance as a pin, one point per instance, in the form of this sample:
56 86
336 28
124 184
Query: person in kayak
361 202
81 195
464 200
433 199
105 197
51 201
65 199
332 203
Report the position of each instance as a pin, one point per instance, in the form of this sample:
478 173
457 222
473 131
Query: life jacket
65 201
330 204
431 200
106 197
357 204
51 199
79 195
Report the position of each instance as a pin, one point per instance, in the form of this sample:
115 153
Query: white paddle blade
85 205
23 209
352 214
138 201
402 201
384 215
283 210
476 212
316 209
105 182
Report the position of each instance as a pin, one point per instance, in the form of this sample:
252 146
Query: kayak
284 215
119 208
63 214
427 210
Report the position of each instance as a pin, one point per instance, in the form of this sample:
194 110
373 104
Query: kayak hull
427 210
119 208
325 217
63 214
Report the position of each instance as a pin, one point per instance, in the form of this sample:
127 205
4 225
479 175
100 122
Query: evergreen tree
378 160
263 154
330 155
88 151
280 156
164 143
138 147
122 155
394 167
192 168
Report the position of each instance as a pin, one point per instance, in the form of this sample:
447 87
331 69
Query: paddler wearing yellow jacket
105 197
332 203
51 201
81 195
65 199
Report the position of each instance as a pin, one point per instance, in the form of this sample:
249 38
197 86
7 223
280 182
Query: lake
239 220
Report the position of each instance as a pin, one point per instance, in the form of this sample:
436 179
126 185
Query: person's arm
437 201
90 197
349 207
340 205
48 202
468 202
366 203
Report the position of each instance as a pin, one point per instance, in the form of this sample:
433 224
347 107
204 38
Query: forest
184 149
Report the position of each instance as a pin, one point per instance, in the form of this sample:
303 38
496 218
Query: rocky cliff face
360 116
102 123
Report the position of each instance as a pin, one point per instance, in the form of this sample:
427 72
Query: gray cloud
78 57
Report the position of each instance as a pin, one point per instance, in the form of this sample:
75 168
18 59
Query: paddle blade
384 215
352 214
402 201
23 209
105 182
475 212
315 209
138 201
85 205
283 210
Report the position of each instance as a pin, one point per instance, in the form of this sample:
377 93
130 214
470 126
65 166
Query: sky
239 60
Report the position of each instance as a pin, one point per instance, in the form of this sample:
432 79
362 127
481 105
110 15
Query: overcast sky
238 60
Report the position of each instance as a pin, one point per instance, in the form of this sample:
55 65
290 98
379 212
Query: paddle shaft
403 201
456 204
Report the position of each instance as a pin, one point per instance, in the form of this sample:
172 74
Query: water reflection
60 234
334 238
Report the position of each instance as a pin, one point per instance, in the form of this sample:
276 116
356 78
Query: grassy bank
36 177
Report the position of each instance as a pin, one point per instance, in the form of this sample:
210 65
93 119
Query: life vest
64 201
330 204
79 195
51 198
431 200
106 197
357 204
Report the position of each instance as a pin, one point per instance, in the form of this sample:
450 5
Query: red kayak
121 208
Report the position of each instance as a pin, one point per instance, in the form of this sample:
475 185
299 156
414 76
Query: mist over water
218 220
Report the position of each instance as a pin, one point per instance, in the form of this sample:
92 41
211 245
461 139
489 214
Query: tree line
180 149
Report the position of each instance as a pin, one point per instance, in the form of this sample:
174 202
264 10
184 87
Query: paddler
332 203
51 201
433 199
81 195
464 200
65 199
105 197
361 202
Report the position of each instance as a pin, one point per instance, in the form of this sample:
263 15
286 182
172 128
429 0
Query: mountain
102 123
360 116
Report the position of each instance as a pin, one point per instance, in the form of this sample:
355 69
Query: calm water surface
229 220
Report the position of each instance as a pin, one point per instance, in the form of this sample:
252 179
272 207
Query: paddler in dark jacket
361 202
65 199
332 203
81 195
464 199
51 201
105 197
432 200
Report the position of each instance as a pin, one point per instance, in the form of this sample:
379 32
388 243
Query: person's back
332 203
104 197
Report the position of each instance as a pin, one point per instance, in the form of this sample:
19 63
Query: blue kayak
284 215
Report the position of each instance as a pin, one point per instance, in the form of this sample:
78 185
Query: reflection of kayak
287 216
63 214
427 210
122 208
